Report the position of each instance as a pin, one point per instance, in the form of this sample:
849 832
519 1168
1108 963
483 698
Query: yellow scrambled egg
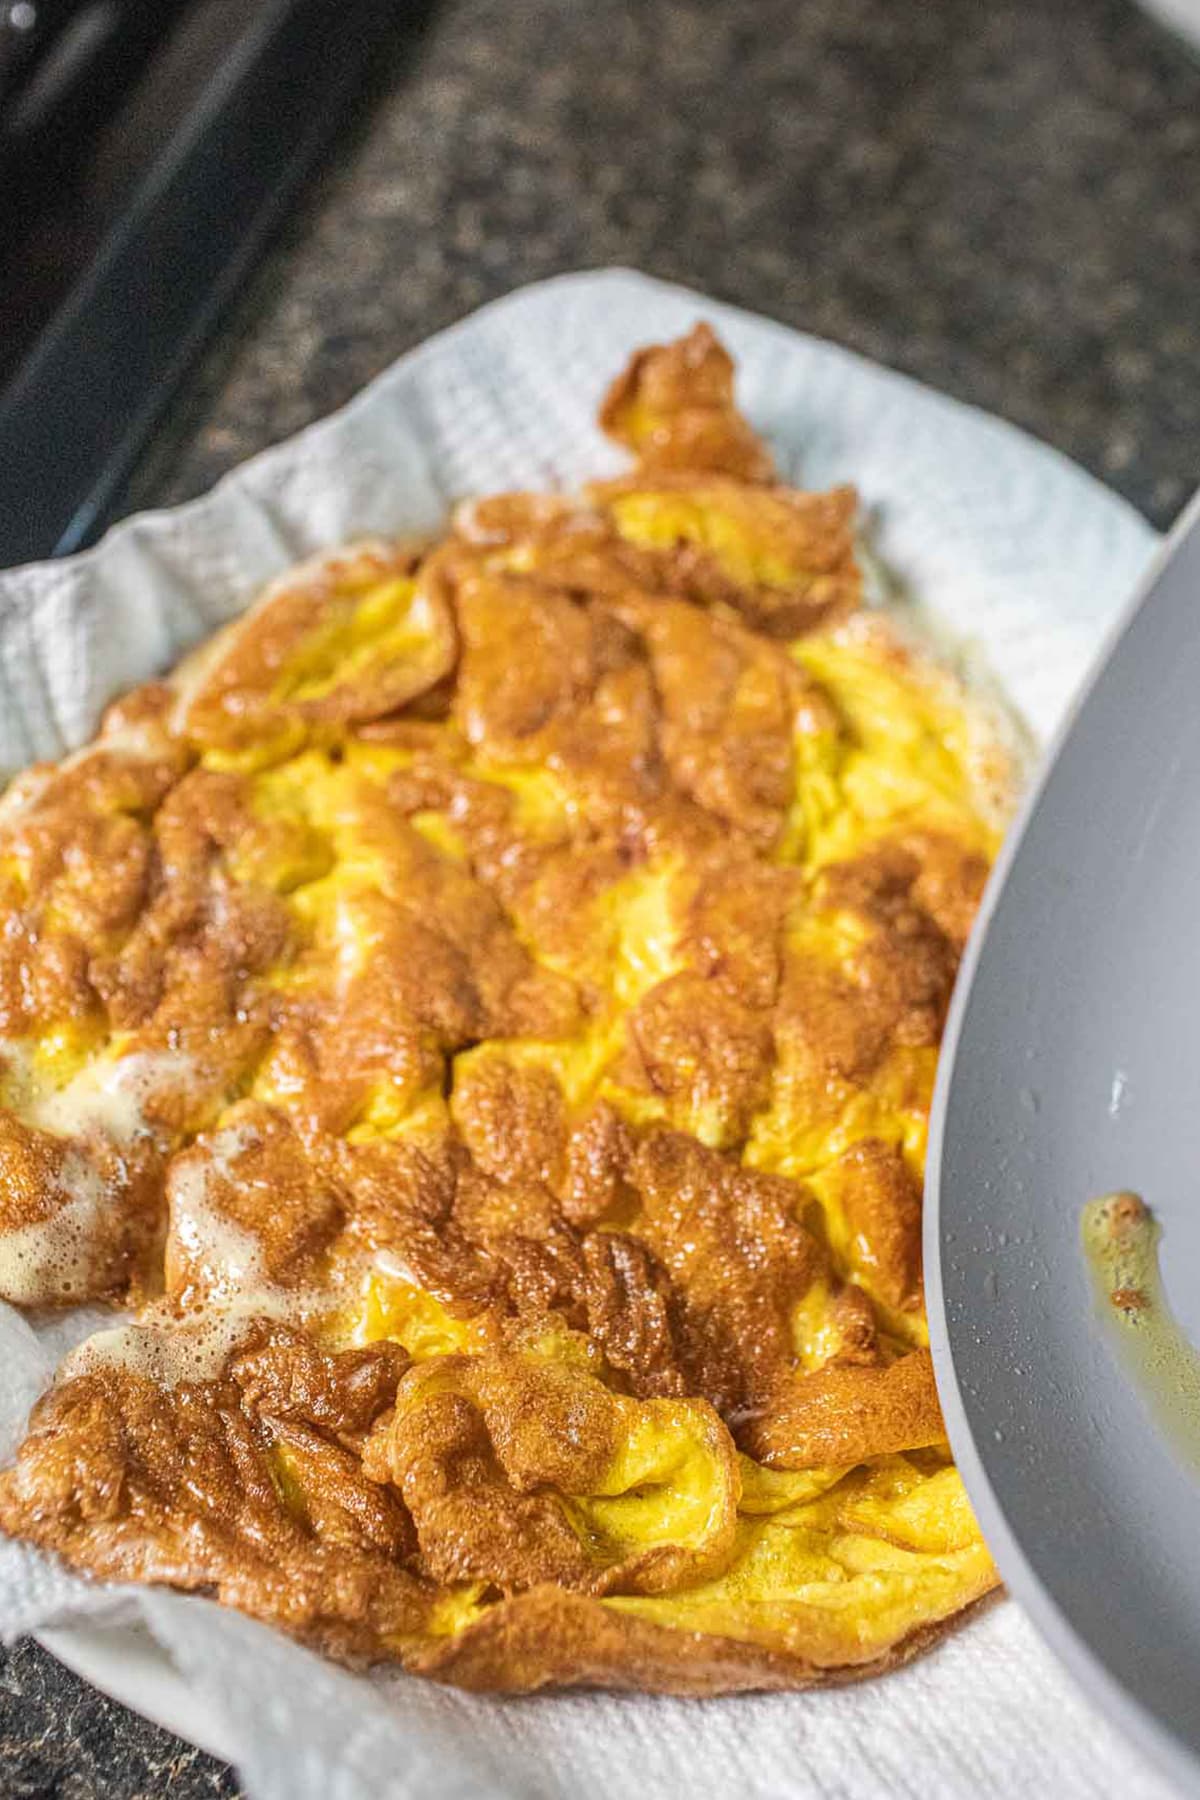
556 910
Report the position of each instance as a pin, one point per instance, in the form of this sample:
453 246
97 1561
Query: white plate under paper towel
1023 559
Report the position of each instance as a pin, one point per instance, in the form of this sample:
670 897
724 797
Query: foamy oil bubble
67 1254
53 1260
224 1258
169 1350
111 1095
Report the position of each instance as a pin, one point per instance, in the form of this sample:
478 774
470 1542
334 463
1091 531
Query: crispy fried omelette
477 1019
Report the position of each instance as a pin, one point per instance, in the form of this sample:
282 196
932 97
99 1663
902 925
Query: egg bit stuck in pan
1121 1241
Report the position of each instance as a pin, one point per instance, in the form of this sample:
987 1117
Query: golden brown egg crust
482 1009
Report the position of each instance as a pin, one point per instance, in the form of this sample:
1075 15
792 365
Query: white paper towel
1016 552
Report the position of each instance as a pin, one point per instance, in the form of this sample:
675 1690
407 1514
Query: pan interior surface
1072 1068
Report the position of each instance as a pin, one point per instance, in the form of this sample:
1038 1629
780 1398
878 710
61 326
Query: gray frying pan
1071 1067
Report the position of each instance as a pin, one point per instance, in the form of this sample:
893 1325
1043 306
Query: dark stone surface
61 1740
998 198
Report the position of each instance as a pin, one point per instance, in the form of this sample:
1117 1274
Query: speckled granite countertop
1003 200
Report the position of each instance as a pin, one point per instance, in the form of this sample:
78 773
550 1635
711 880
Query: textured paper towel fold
1018 554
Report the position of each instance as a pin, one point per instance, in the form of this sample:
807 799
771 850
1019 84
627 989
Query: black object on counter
94 383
